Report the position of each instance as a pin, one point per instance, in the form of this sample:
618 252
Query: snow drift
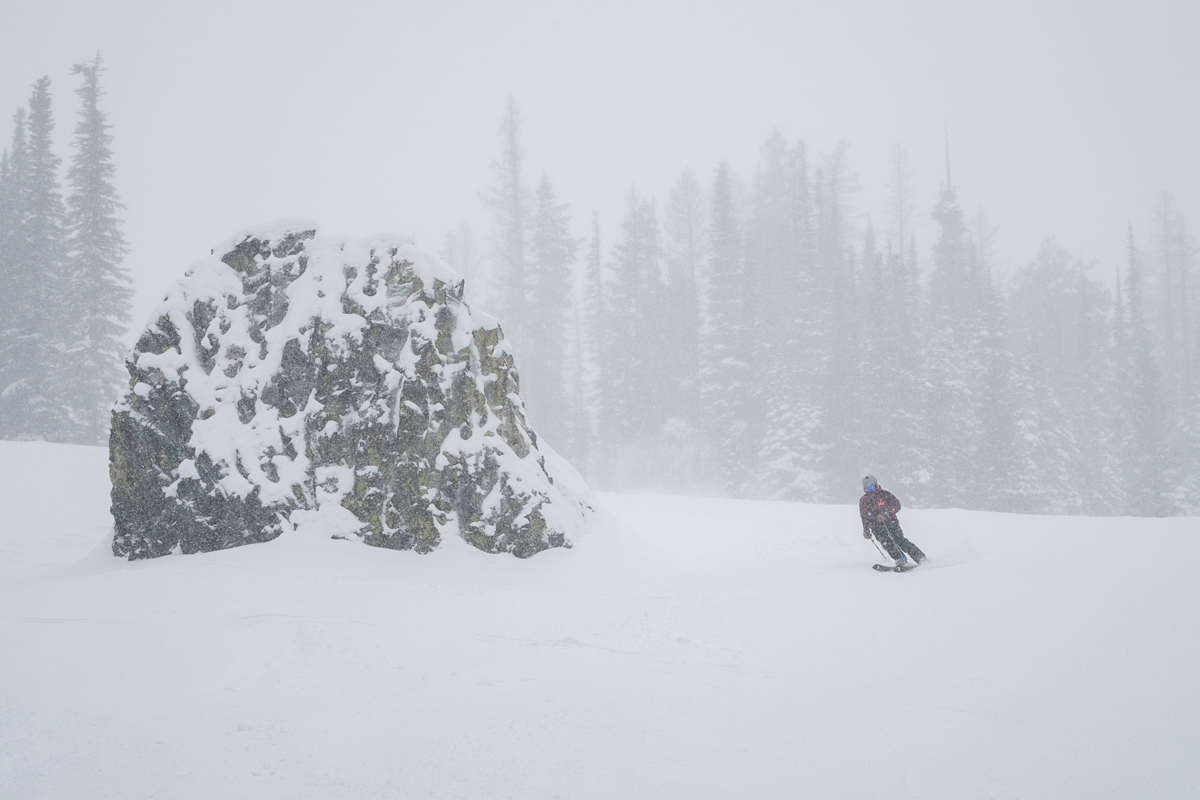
297 378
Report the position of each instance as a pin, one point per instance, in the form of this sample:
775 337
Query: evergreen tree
725 370
684 232
949 427
1029 467
620 345
1173 310
509 202
995 376
1186 499
98 291
684 243
579 425
892 302
1090 408
596 338
771 232
903 274
770 303
789 456
637 301
1141 403
875 350
901 205
1038 480
11 182
1170 306
7 226
14 260
37 381
544 364
1060 316
842 433
1120 428
888 366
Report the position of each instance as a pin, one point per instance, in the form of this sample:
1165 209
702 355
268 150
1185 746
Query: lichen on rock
299 378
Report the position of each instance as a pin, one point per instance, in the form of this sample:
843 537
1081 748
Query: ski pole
877 547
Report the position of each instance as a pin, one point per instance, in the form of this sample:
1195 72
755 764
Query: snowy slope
686 648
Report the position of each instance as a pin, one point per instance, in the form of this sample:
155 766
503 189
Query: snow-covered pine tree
788 457
1089 402
12 178
98 293
1141 403
596 338
1186 499
652 327
684 244
7 226
993 374
1058 315
1117 388
52 317
874 345
725 367
903 316
988 372
893 304
1171 315
769 304
543 365
1037 479
887 393
772 238
619 343
947 402
37 381
634 306
509 201
901 204
1168 305
14 386
579 419
842 435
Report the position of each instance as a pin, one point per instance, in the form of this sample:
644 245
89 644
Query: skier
878 508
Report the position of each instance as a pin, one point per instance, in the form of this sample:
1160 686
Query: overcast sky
1064 118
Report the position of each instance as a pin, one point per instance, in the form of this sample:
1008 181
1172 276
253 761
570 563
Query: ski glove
866 534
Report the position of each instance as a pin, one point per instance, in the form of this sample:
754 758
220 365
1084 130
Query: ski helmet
869 480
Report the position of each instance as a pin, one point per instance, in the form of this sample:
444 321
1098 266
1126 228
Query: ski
886 568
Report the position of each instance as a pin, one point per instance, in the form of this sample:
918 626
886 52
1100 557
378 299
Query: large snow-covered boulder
301 379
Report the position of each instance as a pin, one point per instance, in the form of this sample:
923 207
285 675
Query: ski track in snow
685 648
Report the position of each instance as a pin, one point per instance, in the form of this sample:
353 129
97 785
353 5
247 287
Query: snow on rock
297 378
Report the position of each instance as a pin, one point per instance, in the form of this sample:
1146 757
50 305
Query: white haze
1066 118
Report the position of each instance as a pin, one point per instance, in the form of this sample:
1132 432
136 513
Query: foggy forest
752 336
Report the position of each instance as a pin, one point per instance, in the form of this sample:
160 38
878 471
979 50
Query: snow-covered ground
685 648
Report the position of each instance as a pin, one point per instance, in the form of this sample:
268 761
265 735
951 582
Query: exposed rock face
296 378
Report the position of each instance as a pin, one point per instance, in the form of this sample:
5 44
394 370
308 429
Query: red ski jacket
876 506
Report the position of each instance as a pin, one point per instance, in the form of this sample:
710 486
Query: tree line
66 300
753 338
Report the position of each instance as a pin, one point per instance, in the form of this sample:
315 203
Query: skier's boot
903 562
